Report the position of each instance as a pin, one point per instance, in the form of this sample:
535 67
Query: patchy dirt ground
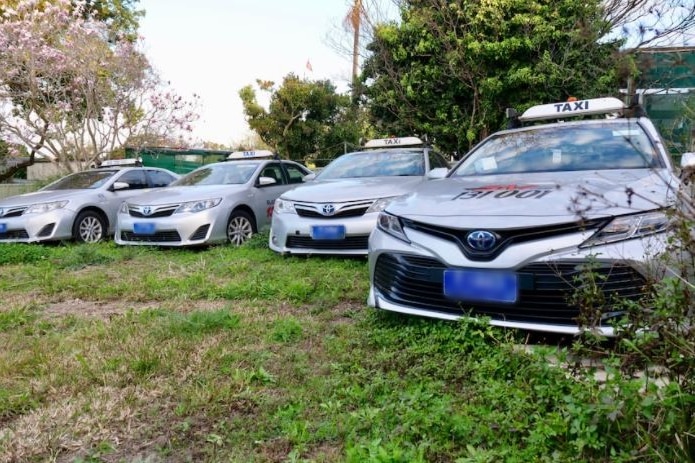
107 309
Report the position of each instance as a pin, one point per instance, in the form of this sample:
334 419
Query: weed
287 330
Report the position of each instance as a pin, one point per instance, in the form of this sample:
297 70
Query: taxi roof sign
259 154
393 142
576 108
121 162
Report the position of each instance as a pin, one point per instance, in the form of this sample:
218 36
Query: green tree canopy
450 68
304 117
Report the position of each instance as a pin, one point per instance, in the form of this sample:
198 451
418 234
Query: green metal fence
667 84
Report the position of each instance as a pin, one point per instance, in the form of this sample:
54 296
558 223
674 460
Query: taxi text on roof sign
120 162
393 142
260 154
572 109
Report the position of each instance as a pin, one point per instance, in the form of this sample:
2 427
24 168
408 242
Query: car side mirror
688 161
265 181
309 177
439 172
120 186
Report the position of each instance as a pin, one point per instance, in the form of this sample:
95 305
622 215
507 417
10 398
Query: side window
135 178
295 173
437 160
159 178
274 170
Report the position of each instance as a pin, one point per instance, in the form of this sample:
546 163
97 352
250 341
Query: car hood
42 197
181 194
512 201
353 189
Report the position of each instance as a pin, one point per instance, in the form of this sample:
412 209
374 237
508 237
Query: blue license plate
144 228
480 286
328 232
3 227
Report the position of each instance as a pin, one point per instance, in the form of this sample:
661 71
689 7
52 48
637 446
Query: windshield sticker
507 191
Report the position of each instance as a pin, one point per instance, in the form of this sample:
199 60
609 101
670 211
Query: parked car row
506 233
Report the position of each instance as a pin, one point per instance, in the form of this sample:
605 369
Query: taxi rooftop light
565 109
121 162
260 154
393 142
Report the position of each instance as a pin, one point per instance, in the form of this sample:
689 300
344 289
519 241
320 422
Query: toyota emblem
328 209
481 240
147 210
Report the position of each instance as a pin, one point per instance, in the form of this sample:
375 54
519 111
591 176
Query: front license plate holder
328 232
144 228
3 227
481 286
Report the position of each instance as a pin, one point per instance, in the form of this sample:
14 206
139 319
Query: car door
265 195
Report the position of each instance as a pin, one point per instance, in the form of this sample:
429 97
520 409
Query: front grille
158 237
200 233
163 212
338 215
14 235
505 238
545 289
352 243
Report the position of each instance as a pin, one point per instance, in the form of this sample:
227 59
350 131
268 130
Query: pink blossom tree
70 94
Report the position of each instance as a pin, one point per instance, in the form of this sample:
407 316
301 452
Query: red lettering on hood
508 187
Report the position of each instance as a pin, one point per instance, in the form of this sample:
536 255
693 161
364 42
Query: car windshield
88 179
229 173
576 147
382 163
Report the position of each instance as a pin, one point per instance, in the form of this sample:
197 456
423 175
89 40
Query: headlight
391 225
631 226
379 205
125 209
40 208
282 206
197 206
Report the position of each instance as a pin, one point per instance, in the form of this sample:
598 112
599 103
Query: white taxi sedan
336 212
519 226
221 202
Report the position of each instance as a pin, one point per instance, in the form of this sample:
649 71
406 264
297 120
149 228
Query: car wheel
240 227
89 227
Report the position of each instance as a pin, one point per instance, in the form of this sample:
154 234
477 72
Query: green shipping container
176 160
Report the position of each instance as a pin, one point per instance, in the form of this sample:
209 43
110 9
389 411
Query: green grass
226 354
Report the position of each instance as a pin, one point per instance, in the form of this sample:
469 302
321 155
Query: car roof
572 123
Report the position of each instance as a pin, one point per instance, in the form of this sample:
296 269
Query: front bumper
30 228
408 278
187 229
291 234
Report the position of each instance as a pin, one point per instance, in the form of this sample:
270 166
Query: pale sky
215 47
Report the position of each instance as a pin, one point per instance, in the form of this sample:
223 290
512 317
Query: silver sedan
531 223
335 213
81 206
220 202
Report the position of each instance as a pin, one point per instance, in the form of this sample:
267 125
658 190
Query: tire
240 227
89 227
